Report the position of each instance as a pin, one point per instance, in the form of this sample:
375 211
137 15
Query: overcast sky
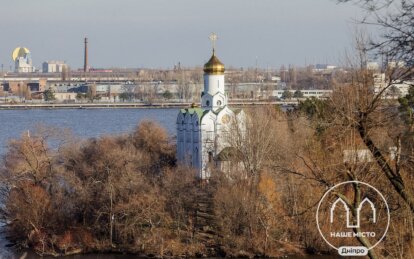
161 33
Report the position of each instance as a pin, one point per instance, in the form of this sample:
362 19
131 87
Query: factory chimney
85 63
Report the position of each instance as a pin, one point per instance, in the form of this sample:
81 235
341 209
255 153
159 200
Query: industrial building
53 66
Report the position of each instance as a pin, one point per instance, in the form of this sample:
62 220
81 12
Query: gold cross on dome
213 39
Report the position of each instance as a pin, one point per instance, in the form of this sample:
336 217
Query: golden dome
214 66
19 52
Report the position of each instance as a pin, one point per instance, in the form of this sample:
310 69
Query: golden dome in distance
19 52
214 66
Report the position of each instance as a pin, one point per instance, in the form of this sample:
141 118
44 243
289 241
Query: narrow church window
196 156
210 157
218 102
207 103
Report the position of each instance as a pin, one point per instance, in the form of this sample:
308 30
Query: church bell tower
213 97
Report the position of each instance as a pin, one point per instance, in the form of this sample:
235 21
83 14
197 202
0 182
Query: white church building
202 131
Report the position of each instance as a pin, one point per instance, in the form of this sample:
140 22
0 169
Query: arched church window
218 103
207 103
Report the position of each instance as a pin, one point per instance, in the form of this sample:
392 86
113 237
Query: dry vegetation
60 195
126 193
102 194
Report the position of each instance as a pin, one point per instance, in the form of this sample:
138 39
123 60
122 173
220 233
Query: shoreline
136 105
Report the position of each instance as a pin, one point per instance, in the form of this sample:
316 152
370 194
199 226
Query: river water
84 123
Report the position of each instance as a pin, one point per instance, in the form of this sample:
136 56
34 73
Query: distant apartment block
396 64
53 66
393 89
323 68
317 93
374 66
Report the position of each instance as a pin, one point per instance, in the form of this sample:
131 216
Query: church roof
199 111
236 111
218 110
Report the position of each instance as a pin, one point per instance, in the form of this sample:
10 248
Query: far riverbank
133 105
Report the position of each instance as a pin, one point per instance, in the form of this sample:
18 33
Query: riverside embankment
142 105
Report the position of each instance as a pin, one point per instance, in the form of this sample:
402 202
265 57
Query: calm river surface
84 123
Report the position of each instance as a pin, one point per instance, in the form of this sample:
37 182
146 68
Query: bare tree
395 19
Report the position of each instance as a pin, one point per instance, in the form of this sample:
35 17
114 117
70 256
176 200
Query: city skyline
160 33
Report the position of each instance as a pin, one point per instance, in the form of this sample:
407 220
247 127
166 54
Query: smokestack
85 63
